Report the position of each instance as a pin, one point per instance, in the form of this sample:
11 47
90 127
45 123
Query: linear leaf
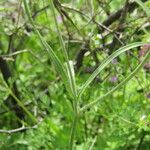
120 84
106 62
69 67
56 61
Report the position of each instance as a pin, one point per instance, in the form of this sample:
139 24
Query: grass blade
70 69
120 84
56 61
106 62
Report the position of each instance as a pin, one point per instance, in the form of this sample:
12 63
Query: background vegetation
52 97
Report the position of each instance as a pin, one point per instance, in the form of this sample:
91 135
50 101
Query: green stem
72 81
21 104
74 127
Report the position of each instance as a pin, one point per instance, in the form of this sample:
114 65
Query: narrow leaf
129 77
69 68
106 62
56 61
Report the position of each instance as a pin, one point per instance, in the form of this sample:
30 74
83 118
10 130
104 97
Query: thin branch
93 143
112 18
18 129
15 53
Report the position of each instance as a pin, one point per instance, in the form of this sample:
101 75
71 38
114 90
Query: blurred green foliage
119 122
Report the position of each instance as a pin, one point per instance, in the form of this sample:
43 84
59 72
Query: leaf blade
60 68
129 77
106 62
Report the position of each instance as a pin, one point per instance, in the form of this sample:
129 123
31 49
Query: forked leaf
106 62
